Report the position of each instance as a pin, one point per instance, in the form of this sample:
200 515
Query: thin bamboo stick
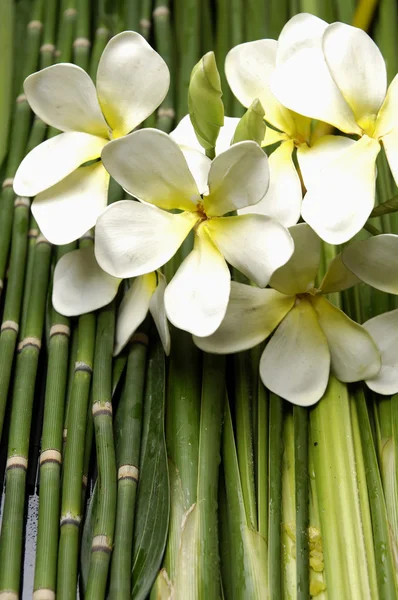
164 45
6 72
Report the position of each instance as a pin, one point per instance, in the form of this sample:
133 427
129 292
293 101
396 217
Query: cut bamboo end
42 240
82 366
101 543
17 462
70 12
64 435
140 338
47 48
59 329
166 112
44 594
33 233
10 325
128 472
161 11
145 24
69 519
9 595
100 409
21 98
102 31
35 25
22 201
50 456
81 42
8 182
31 342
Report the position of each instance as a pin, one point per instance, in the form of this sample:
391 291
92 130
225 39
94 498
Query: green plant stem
302 508
164 45
364 13
82 44
146 18
100 41
262 459
131 14
255 20
102 413
6 72
289 509
129 426
277 17
190 39
33 232
207 29
11 539
275 496
222 46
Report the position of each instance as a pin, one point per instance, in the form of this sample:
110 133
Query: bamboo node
11 325
166 112
1 284
41 240
8 182
8 595
101 543
161 11
102 31
69 519
21 98
17 462
33 233
140 338
22 201
60 329
84 481
35 25
145 24
64 434
81 42
44 594
47 48
29 341
102 409
128 472
50 456
70 12
82 366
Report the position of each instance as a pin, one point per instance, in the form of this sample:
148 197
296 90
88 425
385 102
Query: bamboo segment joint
161 11
33 342
59 329
84 481
17 462
70 12
145 24
1 284
166 112
50 456
22 201
81 42
35 25
140 338
33 233
101 543
102 31
69 519
9 325
42 240
128 472
8 595
44 594
48 48
102 409
9 181
82 366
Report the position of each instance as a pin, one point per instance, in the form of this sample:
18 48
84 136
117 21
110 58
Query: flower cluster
240 208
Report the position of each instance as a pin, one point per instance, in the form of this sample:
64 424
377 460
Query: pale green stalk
275 497
6 72
300 416
164 46
288 537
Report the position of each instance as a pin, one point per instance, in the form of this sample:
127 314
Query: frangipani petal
283 199
151 167
298 274
390 144
296 361
158 312
199 165
54 159
64 97
358 68
80 285
312 161
197 297
251 316
248 68
337 277
132 238
255 244
339 202
184 134
133 309
375 261
354 355
132 81
238 177
65 211
387 119
384 331
226 134
302 81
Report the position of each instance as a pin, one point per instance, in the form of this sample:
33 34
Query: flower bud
252 125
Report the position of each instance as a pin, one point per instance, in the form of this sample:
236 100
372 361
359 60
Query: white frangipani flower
81 286
133 238
132 80
312 336
337 74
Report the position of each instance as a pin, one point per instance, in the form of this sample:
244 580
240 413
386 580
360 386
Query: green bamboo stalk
262 459
67 25
289 509
146 18
129 426
131 14
69 385
364 13
243 25
82 44
278 14
6 72
33 232
302 508
102 414
207 29
255 20
164 45
345 10
19 136
222 46
100 41
275 495
11 538
325 10
190 39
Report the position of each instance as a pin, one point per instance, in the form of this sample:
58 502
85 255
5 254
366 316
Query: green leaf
252 125
390 206
206 109
153 499
87 537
